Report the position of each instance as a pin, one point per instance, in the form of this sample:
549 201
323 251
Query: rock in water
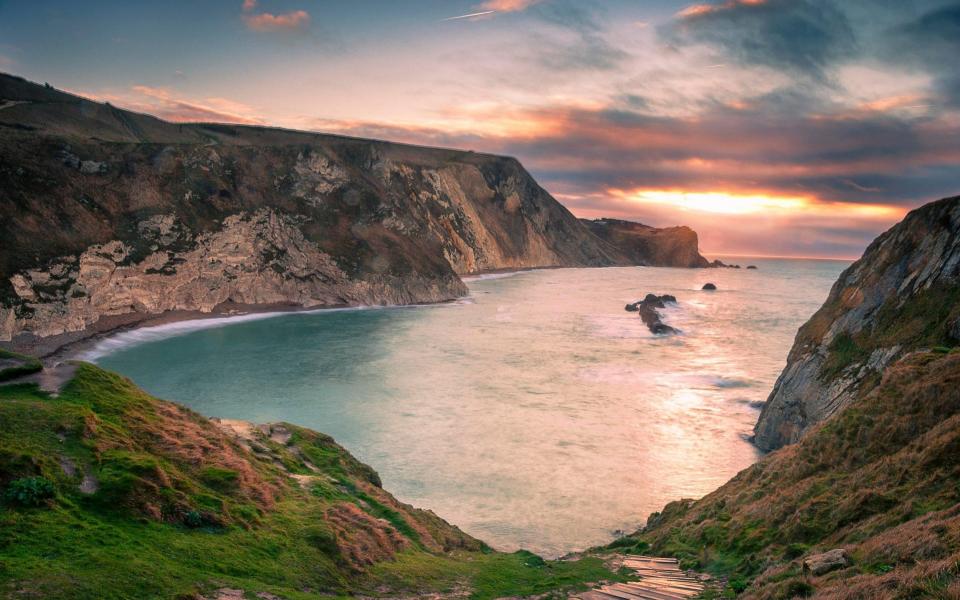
902 295
751 266
709 287
651 318
818 564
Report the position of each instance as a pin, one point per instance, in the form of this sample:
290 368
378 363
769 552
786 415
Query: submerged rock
709 287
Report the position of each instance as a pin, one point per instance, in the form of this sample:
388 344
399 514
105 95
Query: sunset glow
726 203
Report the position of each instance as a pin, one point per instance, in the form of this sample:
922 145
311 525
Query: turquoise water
536 413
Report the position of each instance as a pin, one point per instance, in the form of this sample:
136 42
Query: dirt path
51 379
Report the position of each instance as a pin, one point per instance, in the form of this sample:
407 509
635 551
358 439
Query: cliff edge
902 295
651 246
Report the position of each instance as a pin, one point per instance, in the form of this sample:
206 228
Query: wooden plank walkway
660 579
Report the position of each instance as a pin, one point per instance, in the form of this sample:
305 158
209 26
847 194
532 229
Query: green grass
494 575
181 510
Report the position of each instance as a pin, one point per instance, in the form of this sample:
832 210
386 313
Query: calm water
537 413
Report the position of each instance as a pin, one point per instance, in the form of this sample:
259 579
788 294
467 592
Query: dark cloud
932 43
803 37
580 42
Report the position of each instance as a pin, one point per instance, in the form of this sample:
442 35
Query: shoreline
57 349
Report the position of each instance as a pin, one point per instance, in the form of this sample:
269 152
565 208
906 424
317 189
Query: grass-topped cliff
107 492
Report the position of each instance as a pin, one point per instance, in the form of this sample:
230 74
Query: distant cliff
111 216
903 294
645 245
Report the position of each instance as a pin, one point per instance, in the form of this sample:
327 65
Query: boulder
668 298
751 266
653 300
818 564
632 307
709 286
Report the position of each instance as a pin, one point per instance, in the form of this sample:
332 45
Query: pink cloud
168 105
507 5
291 21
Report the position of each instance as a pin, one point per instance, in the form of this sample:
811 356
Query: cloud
932 43
760 147
291 21
804 37
168 105
579 41
507 5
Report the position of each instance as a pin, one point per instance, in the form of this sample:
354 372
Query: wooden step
624 593
654 592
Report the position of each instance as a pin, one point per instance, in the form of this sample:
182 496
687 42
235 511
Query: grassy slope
183 508
880 479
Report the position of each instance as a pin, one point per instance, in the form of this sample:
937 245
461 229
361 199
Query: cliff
903 294
112 216
107 492
645 245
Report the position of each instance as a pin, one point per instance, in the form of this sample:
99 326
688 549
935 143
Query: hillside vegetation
108 492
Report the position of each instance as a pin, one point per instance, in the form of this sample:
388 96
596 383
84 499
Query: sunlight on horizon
731 203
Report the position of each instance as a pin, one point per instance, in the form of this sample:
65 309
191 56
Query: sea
535 413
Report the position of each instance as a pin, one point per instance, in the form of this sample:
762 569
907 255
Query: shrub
29 491
798 589
220 479
193 519
795 551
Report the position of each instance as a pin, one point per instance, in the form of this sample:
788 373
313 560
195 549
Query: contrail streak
476 14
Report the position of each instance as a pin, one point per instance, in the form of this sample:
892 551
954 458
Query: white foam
143 335
485 276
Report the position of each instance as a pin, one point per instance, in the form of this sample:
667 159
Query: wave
142 335
486 276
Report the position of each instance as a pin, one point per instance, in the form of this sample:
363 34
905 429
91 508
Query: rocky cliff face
645 245
903 294
111 216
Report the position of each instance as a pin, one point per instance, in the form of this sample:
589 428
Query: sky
772 127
